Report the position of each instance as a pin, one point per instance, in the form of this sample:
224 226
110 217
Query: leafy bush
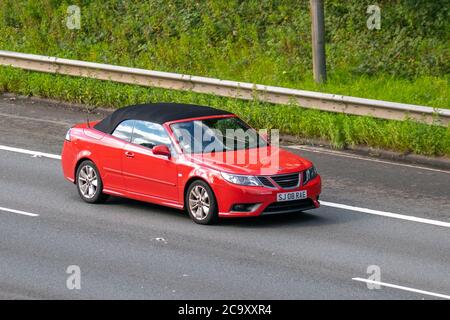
340 129
261 41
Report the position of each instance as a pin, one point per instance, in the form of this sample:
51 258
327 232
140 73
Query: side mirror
161 149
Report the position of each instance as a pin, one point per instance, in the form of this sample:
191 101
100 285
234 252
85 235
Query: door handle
129 154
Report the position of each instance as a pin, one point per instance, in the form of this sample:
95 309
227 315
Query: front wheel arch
212 216
188 184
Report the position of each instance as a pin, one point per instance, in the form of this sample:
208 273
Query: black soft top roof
157 113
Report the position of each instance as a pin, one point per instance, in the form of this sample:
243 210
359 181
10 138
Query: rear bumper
67 161
264 199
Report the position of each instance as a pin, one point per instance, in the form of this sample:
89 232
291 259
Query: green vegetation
339 129
261 41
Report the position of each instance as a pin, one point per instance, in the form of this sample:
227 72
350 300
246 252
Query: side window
149 134
124 130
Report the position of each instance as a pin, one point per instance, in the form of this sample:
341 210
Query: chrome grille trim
287 181
266 181
284 181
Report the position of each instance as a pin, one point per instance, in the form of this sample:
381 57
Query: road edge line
394 286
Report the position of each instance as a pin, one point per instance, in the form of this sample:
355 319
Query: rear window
124 130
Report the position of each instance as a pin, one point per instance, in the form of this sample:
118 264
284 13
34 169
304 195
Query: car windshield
216 135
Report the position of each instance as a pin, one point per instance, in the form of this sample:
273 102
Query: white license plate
289 196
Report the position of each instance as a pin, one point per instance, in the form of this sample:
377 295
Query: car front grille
289 206
265 181
287 181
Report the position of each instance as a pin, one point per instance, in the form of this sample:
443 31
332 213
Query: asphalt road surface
129 249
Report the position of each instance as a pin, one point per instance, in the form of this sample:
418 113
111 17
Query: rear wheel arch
91 181
79 162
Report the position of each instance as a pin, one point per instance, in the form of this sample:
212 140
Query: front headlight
309 174
241 179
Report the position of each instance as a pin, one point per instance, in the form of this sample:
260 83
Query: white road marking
386 214
33 153
384 284
324 203
351 156
19 212
35 119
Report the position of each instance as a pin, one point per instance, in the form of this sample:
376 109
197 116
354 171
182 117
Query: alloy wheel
199 202
88 181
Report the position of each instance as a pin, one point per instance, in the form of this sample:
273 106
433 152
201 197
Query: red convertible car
204 160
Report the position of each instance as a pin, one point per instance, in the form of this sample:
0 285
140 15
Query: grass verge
257 41
340 129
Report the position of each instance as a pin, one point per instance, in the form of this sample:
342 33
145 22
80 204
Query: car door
144 172
110 150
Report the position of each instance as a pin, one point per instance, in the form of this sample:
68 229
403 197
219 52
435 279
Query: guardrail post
318 40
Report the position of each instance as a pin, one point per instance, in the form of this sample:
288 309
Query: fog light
244 207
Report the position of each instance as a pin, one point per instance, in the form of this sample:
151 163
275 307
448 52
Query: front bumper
228 195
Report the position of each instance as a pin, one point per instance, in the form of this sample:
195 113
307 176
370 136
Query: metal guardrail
241 90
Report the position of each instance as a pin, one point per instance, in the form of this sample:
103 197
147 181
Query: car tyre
89 183
201 203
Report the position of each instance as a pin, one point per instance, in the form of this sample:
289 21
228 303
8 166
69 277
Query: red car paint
124 169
